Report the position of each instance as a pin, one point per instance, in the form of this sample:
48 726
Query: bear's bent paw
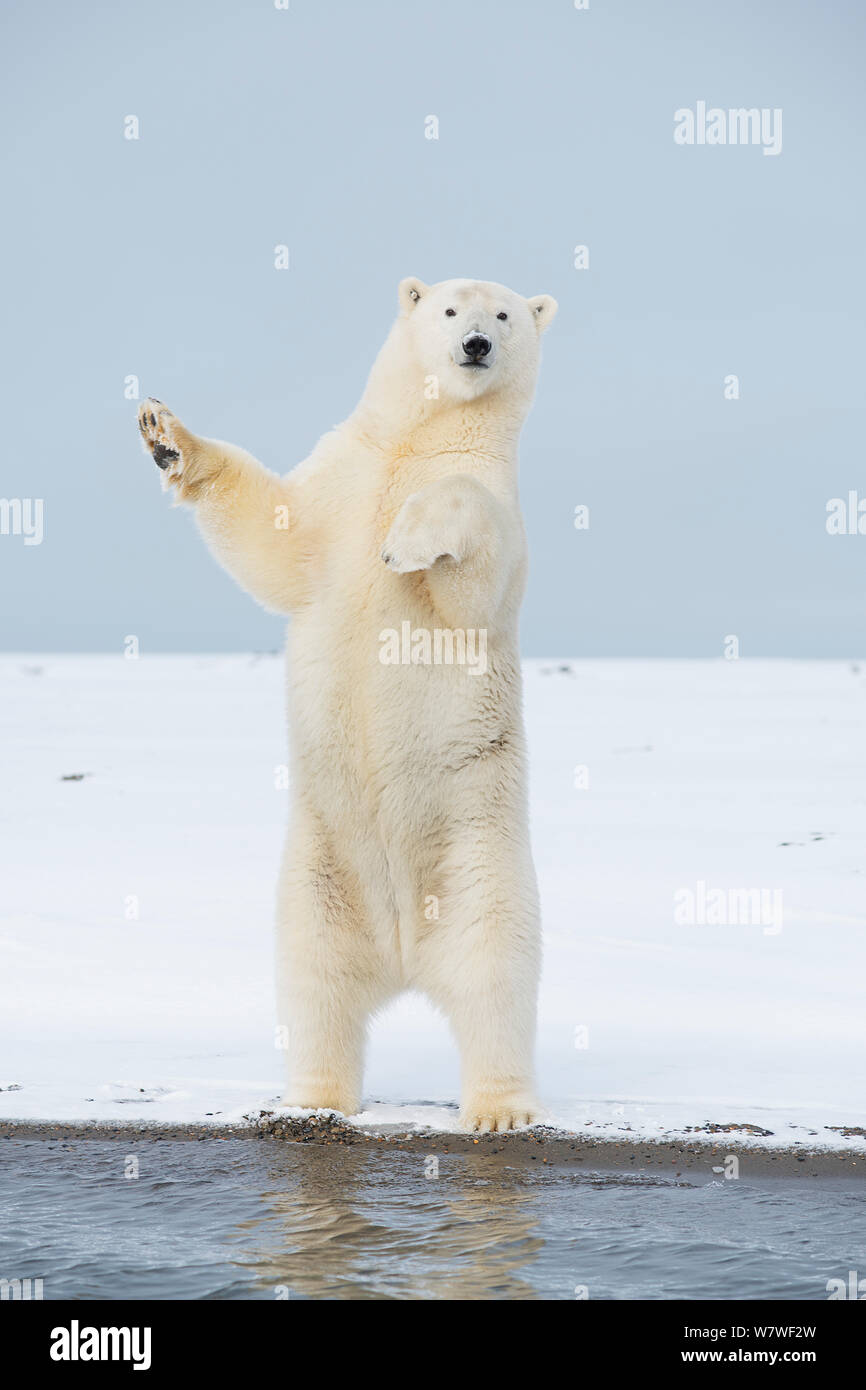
494 1113
159 434
406 559
414 541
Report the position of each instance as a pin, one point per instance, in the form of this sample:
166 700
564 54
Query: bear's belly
390 716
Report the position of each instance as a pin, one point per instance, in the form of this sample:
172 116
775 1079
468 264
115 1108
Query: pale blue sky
259 126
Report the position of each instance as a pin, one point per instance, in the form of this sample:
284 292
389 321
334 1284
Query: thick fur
408 863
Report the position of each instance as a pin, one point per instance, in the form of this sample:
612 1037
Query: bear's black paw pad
163 456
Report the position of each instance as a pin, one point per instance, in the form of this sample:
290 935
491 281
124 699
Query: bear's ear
409 292
543 308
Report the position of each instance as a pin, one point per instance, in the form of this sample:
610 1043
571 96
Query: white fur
408 863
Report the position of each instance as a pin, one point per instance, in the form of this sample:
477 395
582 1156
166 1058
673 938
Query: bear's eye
449 313
502 316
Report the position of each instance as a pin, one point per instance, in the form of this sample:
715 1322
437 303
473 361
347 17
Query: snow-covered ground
135 941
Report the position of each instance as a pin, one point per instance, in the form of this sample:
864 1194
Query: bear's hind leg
330 977
480 964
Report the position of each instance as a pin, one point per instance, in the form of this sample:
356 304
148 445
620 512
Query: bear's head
472 336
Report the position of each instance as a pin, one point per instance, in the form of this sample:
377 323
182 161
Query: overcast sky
153 258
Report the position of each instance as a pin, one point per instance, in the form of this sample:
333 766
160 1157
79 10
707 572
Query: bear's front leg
248 516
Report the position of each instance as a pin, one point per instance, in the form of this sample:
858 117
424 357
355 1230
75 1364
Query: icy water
246 1219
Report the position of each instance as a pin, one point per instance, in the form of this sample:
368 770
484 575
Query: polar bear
408 863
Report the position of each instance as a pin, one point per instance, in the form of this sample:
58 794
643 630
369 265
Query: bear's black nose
476 345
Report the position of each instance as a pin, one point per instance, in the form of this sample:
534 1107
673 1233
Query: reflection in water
241 1218
356 1224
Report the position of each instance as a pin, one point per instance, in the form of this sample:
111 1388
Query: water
246 1219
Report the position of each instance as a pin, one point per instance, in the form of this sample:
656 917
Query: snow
135 939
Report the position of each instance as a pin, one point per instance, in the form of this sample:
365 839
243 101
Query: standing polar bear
398 547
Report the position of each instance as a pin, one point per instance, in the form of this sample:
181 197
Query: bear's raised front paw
494 1113
159 434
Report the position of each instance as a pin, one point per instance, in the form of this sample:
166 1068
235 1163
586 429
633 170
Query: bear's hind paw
491 1115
